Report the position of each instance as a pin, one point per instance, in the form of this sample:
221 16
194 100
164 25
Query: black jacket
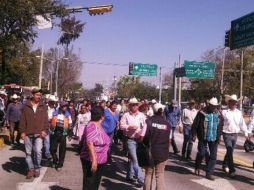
158 131
198 126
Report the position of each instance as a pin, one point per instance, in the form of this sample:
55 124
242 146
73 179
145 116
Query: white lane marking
219 183
37 184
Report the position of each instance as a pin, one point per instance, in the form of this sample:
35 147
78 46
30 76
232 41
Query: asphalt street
178 172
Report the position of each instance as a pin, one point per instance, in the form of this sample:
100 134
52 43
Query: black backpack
248 146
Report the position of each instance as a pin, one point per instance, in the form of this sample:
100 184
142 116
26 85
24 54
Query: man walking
172 114
33 128
207 126
13 116
233 123
134 127
188 116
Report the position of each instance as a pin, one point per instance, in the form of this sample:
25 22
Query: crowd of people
47 123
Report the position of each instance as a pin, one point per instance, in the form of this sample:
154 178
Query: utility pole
241 81
180 84
41 66
175 83
222 74
57 68
160 86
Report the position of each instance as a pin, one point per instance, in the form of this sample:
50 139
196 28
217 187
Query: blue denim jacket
172 115
13 112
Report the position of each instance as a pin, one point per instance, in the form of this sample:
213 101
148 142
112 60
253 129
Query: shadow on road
16 164
56 187
115 171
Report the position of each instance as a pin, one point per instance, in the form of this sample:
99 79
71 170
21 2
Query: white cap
157 106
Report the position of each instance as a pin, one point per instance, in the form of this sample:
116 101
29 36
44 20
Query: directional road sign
242 31
201 70
141 69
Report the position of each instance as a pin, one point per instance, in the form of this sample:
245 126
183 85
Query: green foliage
71 29
95 92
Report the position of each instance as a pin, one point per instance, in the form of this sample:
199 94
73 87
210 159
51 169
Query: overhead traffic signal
99 10
228 38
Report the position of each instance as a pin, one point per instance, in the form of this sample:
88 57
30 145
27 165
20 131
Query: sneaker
140 184
130 179
210 177
225 169
197 172
36 173
232 174
30 174
58 169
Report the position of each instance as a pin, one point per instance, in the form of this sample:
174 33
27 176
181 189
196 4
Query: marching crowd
146 130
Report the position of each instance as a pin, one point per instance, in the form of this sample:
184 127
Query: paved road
178 175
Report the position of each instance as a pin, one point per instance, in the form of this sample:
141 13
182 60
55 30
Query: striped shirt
100 140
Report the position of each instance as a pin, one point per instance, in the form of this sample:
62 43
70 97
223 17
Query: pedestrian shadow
56 187
20 147
16 164
108 184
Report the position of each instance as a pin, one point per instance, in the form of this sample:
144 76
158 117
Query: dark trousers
91 181
58 140
210 158
14 126
230 141
187 141
173 142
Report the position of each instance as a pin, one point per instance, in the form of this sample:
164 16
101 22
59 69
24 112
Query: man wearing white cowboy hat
207 126
13 114
233 123
188 116
134 127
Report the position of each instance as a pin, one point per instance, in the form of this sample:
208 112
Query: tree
69 69
126 86
71 29
95 93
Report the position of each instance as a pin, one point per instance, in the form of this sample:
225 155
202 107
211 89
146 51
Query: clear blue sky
148 31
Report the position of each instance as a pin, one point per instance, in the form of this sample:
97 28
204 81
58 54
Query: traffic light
99 10
228 38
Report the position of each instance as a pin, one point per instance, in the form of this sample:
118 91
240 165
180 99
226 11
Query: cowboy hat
14 96
3 93
133 101
231 97
213 101
52 98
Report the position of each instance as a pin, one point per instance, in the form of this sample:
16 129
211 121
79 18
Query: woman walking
94 150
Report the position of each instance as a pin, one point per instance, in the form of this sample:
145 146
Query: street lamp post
41 67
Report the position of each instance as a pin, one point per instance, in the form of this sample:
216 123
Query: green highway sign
242 32
141 69
200 70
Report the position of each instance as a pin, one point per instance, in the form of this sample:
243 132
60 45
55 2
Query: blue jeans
33 146
47 146
134 169
230 141
211 159
187 141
